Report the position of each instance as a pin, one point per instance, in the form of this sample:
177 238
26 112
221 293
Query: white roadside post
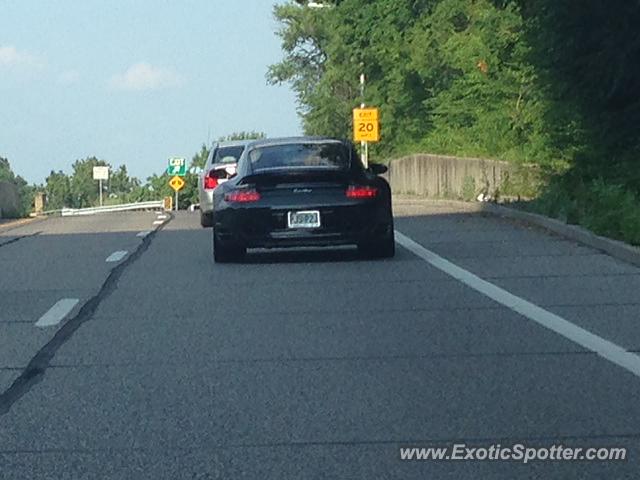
100 173
364 146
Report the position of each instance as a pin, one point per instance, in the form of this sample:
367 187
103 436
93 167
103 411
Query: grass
607 209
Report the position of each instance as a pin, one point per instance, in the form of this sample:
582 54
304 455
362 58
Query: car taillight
210 182
242 196
361 192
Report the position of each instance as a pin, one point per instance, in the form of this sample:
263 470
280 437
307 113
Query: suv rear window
331 156
227 154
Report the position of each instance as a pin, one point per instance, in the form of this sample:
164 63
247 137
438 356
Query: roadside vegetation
25 191
77 189
541 83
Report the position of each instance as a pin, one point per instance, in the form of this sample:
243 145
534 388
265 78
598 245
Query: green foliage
80 190
6 174
606 209
200 158
450 76
543 82
26 192
84 189
58 190
586 62
252 135
121 186
540 81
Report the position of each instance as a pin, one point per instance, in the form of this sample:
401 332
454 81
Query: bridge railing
441 176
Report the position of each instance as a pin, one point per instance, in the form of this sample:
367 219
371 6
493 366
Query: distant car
304 191
220 165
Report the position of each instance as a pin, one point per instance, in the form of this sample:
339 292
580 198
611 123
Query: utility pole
364 146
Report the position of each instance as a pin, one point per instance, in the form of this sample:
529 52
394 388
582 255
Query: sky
134 82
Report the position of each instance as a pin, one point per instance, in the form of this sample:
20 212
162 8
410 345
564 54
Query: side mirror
378 168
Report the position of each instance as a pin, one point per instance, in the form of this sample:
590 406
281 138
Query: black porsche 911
306 191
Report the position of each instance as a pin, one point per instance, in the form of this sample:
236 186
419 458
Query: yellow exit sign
366 125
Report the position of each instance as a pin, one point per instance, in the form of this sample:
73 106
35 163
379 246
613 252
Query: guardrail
72 212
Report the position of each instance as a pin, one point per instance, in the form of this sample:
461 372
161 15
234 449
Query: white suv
221 164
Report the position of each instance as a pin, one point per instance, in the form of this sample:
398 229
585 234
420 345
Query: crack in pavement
37 366
17 239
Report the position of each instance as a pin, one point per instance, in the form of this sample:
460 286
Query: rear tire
226 253
383 247
206 220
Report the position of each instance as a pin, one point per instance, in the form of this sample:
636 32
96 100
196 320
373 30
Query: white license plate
304 219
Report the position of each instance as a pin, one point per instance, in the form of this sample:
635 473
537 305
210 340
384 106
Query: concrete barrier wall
440 176
9 200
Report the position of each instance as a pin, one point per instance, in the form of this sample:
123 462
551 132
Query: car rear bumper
206 201
266 228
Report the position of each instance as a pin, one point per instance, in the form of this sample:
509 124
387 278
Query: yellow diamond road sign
177 183
366 125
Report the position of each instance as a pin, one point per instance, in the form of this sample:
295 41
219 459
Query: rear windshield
331 156
227 154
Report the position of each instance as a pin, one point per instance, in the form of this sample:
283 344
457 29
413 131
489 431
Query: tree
252 135
6 174
200 158
26 192
58 190
121 185
84 189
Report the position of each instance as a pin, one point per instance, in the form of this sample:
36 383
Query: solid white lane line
56 313
143 234
117 256
606 349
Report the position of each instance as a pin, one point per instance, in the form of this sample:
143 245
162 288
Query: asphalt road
310 364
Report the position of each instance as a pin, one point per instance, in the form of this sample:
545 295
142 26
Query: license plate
304 219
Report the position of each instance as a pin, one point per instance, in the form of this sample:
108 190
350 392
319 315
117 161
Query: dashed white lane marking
117 256
158 222
143 234
162 217
606 349
56 313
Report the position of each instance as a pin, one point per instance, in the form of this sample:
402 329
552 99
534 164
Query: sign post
177 169
364 146
100 174
177 183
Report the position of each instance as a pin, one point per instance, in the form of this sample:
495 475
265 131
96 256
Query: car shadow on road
303 255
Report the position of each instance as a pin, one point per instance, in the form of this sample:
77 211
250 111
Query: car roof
232 143
267 142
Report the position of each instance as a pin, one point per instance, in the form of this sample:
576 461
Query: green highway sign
177 167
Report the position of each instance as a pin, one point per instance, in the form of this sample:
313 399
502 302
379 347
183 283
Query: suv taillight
210 182
361 192
242 196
